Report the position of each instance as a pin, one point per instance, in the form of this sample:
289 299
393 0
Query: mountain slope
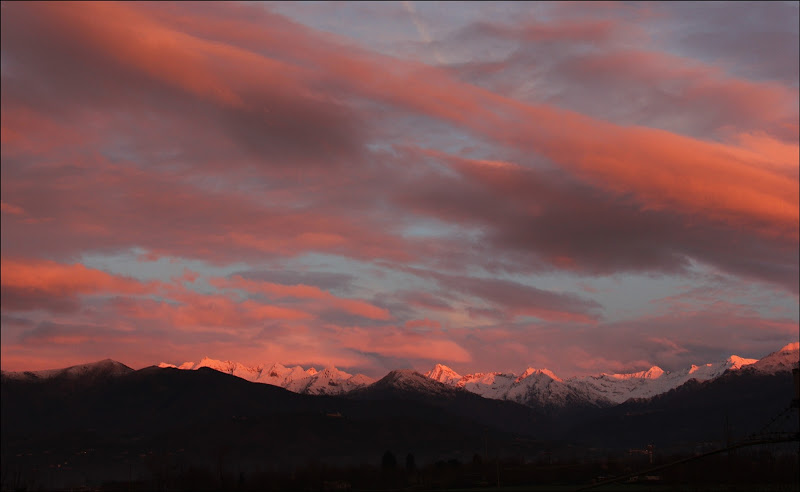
407 385
215 421
540 388
782 360
329 381
106 368
695 412
443 374
537 388
621 387
103 418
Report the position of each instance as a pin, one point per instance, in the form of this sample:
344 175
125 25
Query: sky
585 187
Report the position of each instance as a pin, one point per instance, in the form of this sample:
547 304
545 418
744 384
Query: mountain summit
443 374
106 368
538 388
329 381
782 360
542 388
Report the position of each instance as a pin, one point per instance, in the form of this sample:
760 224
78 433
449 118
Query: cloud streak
251 179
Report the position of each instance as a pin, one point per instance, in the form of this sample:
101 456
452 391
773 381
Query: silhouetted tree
388 462
411 465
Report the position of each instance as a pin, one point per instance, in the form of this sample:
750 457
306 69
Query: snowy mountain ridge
103 368
533 387
329 381
542 387
780 361
408 380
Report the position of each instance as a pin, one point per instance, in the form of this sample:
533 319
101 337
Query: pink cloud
544 220
10 209
352 306
226 133
192 311
741 194
426 324
188 276
51 278
425 300
150 203
395 342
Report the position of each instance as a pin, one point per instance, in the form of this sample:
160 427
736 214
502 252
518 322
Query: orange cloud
7 208
126 34
25 131
218 90
661 169
191 310
352 306
394 342
51 278
668 171
426 324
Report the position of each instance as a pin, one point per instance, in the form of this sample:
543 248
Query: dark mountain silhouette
731 407
105 426
410 386
81 374
104 421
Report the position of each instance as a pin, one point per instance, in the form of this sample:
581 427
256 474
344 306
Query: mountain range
328 381
536 388
107 421
541 387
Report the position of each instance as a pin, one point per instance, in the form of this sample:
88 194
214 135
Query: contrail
422 29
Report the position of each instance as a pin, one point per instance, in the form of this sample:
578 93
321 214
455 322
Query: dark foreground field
165 429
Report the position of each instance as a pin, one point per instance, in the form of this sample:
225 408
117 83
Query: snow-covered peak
548 372
443 374
735 362
328 381
276 374
715 369
782 360
602 389
331 371
412 381
645 384
487 384
541 387
103 368
407 377
361 380
791 347
537 372
618 388
217 365
528 372
274 369
404 375
250 373
654 372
